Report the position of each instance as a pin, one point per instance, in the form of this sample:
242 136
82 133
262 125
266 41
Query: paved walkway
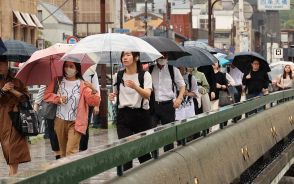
41 153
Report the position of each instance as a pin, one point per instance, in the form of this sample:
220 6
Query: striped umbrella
17 51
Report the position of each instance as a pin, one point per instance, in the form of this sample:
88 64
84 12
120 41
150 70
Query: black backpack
152 97
119 80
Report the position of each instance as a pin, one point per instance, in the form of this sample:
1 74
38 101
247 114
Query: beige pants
68 137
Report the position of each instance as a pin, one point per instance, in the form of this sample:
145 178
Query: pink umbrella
45 64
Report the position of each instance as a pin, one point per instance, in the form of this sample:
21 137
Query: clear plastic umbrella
106 48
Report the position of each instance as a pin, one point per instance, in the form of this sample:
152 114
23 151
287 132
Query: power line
55 10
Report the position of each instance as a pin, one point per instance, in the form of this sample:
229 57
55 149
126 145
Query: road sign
72 40
278 53
118 30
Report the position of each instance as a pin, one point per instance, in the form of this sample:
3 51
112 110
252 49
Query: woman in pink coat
73 98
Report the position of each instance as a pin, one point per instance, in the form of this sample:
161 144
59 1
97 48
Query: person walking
14 145
73 99
49 123
132 90
237 75
256 83
285 80
203 89
169 89
91 76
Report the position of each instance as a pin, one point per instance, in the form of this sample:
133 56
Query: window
203 24
221 35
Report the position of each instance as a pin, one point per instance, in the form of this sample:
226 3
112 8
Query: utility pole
121 14
191 20
243 41
167 18
145 18
74 18
209 23
101 68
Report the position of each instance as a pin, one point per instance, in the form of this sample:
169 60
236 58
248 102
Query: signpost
120 30
72 40
278 53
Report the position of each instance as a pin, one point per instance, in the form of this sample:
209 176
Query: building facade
18 20
57 27
88 15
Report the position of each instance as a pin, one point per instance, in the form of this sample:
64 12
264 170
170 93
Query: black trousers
85 138
164 113
52 135
237 98
132 121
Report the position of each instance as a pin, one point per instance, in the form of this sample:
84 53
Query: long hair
138 62
78 68
285 74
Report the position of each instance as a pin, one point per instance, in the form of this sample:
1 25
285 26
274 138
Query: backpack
119 80
171 73
152 96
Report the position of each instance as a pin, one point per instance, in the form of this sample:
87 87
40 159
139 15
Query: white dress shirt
237 75
162 83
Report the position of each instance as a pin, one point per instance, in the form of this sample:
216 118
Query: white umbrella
106 48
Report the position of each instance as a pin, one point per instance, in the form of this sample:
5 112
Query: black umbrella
2 47
243 60
163 44
17 51
198 57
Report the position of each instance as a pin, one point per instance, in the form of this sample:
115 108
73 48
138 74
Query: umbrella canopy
106 48
243 60
277 68
163 44
45 64
17 51
2 47
222 59
199 57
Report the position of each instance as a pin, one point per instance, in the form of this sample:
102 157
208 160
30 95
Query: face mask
162 61
70 72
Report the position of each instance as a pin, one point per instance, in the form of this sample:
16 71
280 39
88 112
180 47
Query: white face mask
162 61
70 72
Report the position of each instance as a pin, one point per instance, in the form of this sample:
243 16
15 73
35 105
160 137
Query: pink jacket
87 99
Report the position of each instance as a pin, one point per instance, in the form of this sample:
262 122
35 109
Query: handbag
25 120
225 98
49 109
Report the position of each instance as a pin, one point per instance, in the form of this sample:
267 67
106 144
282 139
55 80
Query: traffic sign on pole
278 53
72 40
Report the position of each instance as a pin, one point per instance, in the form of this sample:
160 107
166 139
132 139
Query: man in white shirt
165 91
237 75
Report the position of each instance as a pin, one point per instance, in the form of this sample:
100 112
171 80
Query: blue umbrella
17 51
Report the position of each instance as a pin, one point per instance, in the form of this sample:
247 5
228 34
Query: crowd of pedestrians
145 98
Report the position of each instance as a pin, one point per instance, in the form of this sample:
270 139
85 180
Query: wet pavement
41 154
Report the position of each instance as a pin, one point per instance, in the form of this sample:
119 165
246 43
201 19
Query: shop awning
19 18
28 19
36 20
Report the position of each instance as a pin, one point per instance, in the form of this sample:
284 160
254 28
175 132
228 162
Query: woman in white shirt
286 79
133 99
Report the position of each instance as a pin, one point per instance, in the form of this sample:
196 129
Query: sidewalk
41 153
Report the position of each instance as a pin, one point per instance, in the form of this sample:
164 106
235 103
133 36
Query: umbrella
45 64
243 60
17 51
163 44
277 68
201 45
222 59
106 48
198 57
2 47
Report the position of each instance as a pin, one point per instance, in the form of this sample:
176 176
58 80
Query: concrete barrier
220 157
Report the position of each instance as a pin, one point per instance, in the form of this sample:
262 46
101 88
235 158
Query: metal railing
81 166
